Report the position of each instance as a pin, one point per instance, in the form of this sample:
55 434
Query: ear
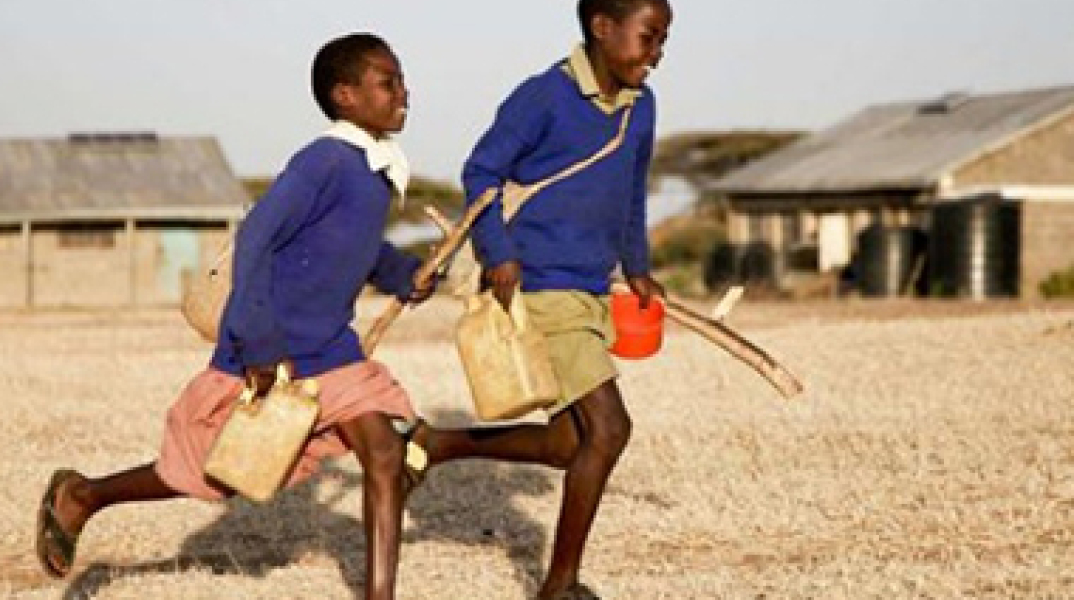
343 96
601 26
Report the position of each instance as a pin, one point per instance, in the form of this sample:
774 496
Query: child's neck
376 135
609 87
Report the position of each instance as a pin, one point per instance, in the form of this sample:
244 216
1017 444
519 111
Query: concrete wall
65 275
12 266
1047 231
1045 157
95 270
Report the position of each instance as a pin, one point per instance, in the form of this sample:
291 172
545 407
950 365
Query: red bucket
638 332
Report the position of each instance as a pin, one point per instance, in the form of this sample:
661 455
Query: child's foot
575 591
60 519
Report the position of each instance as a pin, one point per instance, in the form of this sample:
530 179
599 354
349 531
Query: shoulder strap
515 195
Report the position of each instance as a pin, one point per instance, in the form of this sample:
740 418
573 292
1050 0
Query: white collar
382 155
579 66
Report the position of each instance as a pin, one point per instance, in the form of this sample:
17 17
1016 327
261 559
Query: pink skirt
198 415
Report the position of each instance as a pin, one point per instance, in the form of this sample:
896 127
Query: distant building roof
116 175
908 145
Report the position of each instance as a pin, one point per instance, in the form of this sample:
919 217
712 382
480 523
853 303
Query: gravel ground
931 456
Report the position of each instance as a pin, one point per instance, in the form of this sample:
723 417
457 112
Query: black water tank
974 248
758 266
741 264
722 267
888 259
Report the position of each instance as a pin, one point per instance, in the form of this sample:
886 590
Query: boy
561 249
302 256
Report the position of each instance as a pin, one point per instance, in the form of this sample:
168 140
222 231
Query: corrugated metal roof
86 175
908 145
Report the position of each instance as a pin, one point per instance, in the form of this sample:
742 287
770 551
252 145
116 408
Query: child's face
378 101
634 45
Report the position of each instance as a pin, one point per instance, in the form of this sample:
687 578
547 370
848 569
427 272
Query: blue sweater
571 234
302 256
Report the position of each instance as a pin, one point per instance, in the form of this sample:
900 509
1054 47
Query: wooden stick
423 276
438 219
735 345
724 306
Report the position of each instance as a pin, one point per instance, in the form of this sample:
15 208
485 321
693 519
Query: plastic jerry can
506 361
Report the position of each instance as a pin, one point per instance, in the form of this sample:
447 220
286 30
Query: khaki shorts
578 327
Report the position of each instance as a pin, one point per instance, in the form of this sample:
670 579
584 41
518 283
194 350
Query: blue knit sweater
573 233
302 256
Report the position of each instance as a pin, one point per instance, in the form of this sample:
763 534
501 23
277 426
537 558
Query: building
904 165
110 219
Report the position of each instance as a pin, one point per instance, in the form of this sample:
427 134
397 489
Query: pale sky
238 69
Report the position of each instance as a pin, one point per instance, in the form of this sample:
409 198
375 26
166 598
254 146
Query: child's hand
646 288
422 293
262 377
503 279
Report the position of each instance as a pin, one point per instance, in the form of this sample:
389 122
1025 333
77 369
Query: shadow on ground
467 502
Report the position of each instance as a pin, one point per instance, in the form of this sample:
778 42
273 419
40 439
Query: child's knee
610 434
607 425
379 449
615 432
386 456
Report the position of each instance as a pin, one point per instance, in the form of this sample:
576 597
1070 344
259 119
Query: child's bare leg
585 440
606 430
78 498
552 445
380 452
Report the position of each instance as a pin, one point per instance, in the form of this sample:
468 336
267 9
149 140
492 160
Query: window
87 236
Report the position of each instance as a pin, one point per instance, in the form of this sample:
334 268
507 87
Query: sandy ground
932 456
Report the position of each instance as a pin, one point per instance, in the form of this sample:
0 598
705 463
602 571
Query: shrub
691 244
1059 284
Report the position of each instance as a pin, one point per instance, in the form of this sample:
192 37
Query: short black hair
616 9
341 61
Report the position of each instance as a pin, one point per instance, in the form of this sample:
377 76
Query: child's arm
251 325
516 130
394 270
635 251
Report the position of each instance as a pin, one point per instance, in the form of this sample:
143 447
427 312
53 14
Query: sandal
416 461
55 547
578 591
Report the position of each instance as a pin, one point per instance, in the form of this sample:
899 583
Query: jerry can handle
517 310
249 389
